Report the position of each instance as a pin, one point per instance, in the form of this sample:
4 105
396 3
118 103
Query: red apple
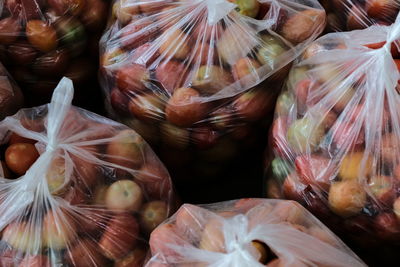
85 253
315 170
171 75
120 236
132 78
124 195
20 157
185 107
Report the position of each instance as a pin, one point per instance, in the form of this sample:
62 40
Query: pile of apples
11 98
196 233
94 215
191 82
359 14
321 138
44 40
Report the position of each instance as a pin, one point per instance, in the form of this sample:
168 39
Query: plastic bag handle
58 109
394 32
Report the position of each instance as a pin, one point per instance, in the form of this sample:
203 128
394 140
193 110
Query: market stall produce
44 40
247 232
11 98
359 14
199 78
336 134
77 189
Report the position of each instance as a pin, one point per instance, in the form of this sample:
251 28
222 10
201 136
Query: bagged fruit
11 98
336 134
247 232
77 189
198 78
359 14
43 40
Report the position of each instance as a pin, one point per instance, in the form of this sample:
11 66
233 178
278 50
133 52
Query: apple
305 134
20 157
190 222
125 10
355 18
390 146
148 106
120 236
383 189
124 195
163 238
387 226
138 33
119 101
344 134
347 198
254 104
262 251
185 107
271 49
19 235
248 8
35 261
382 9
175 44
132 78
59 230
21 52
152 214
15 138
355 165
315 170
212 238
302 25
174 136
205 54
93 17
234 43
126 149
133 259
210 79
288 211
9 30
41 35
85 253
244 67
171 75
204 137
323 235
56 176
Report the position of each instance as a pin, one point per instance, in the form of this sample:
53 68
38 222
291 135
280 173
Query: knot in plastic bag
218 9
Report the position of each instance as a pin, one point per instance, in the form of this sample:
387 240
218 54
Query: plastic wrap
201 76
77 189
359 14
247 232
43 40
11 98
336 133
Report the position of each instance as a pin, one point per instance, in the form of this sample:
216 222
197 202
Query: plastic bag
43 40
247 232
335 136
359 14
79 189
11 98
202 75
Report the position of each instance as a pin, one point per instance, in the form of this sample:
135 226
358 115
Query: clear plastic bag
11 98
247 232
336 133
43 40
359 14
202 75
79 189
